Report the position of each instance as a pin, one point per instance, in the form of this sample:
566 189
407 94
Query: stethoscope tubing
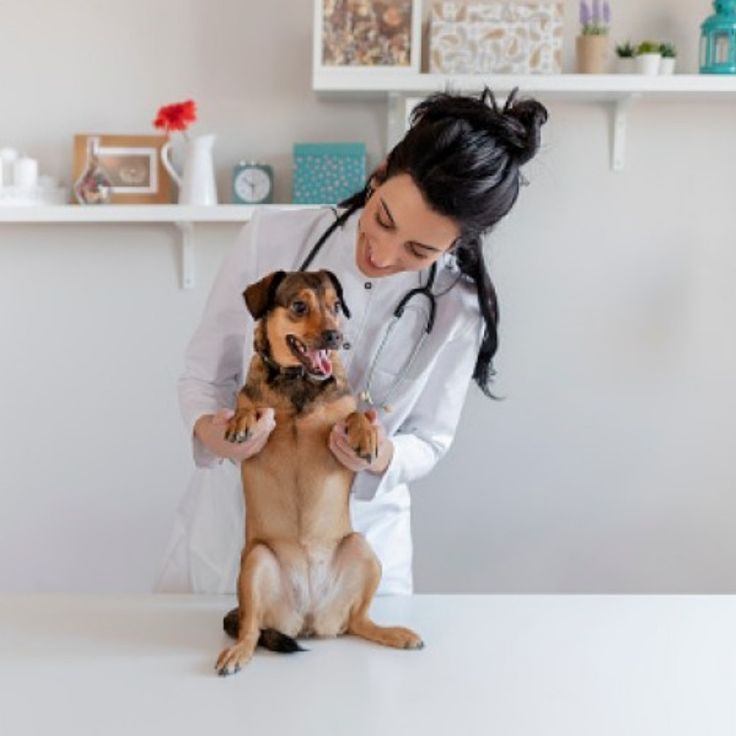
425 290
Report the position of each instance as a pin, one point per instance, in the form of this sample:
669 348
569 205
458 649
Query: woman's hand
338 443
210 430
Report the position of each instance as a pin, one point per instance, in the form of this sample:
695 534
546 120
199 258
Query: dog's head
300 319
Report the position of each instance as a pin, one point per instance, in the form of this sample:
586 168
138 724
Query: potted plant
648 57
592 43
669 55
625 54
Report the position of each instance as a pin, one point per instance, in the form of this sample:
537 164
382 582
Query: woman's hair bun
516 126
523 120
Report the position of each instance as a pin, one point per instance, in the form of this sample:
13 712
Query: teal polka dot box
326 173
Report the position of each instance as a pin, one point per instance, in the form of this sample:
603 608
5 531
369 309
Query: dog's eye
337 308
299 308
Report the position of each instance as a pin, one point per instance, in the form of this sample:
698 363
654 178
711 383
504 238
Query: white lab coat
205 546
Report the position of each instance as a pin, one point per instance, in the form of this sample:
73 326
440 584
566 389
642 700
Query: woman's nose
383 253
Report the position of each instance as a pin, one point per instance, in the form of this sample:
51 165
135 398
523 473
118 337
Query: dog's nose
331 339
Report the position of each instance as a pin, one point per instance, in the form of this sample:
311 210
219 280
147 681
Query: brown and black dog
304 571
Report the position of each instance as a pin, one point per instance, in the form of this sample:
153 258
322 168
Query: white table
506 665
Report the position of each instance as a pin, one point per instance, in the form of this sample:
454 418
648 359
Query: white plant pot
625 65
667 65
648 63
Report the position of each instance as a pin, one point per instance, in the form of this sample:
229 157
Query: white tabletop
506 665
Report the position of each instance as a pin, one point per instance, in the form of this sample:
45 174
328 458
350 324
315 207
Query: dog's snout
331 339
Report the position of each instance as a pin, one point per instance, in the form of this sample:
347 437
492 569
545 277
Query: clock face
252 185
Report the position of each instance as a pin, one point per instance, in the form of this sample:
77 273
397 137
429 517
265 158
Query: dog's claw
226 670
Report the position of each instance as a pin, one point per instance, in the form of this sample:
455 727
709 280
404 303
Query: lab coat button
368 285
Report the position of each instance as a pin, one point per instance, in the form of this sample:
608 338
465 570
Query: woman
416 228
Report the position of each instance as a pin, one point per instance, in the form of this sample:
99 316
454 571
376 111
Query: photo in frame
367 34
133 164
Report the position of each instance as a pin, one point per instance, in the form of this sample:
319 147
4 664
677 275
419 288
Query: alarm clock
252 183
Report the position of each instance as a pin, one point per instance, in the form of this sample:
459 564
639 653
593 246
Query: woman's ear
378 176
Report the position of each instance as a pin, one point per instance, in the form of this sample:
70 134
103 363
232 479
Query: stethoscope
424 292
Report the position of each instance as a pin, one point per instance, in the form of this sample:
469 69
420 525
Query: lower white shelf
184 217
119 213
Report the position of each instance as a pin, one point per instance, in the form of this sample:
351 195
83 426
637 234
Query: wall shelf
184 217
365 83
618 91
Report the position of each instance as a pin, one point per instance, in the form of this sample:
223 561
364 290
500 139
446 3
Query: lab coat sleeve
213 361
429 429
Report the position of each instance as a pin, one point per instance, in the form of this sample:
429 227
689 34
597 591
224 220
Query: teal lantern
718 40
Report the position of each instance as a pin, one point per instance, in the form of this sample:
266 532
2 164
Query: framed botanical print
367 34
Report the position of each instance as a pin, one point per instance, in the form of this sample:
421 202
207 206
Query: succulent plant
625 50
668 50
647 47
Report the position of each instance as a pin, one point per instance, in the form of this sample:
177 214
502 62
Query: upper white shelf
173 213
367 83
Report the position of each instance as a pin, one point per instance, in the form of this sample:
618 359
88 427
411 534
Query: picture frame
496 36
133 163
370 35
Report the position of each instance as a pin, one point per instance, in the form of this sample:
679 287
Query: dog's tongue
320 361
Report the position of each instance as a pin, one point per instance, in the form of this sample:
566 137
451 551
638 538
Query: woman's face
397 230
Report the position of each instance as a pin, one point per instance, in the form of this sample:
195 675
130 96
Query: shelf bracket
395 119
618 147
187 254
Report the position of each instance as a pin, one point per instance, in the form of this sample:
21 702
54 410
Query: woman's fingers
223 416
266 419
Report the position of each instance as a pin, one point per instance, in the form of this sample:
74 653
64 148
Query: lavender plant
595 17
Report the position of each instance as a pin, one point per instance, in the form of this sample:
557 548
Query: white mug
7 157
25 173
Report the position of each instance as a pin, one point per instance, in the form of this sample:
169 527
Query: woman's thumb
223 416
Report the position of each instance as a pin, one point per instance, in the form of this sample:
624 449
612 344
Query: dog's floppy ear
338 288
259 297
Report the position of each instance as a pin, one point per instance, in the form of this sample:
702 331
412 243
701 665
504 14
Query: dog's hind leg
231 623
260 580
361 572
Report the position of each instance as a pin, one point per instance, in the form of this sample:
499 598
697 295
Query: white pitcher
197 184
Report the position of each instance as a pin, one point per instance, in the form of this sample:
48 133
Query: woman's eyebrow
393 222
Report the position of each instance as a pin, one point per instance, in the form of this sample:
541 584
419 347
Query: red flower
177 116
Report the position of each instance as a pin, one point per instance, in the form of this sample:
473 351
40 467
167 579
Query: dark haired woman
415 228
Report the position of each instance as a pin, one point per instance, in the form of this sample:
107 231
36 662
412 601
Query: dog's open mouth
316 362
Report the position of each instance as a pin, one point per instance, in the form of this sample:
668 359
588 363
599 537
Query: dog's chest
295 487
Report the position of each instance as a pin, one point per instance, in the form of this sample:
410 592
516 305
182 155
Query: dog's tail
269 639
275 641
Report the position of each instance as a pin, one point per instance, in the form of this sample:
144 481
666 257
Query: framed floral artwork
367 34
132 164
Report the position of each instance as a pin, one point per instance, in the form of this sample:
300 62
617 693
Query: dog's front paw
240 427
362 436
233 658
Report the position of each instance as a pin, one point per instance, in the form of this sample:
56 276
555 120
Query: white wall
607 466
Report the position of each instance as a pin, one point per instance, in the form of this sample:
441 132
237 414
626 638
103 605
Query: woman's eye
384 225
299 308
415 251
